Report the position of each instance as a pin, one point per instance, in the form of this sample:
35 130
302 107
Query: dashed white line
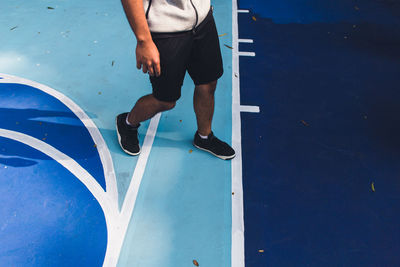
247 54
249 41
251 109
243 11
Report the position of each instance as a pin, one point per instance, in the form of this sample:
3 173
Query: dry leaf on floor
221 35
190 151
230 47
254 18
304 123
195 263
373 187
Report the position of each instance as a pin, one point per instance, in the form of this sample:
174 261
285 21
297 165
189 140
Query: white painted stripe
242 11
252 109
249 41
237 251
247 54
133 190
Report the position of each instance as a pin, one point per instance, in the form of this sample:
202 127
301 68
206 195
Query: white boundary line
242 10
237 250
252 109
249 41
247 54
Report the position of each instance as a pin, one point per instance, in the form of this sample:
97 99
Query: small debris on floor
191 150
230 47
261 251
373 187
13 28
254 18
221 35
304 123
195 263
49 7
112 63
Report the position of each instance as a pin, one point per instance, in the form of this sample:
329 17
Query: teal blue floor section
86 50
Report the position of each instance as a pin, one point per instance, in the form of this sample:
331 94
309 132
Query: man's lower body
198 53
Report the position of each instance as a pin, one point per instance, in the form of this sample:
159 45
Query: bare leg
146 107
203 103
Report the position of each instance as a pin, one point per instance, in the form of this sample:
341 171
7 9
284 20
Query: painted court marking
133 190
251 109
243 11
247 54
249 41
237 250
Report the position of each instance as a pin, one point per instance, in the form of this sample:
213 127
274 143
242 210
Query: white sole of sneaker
218 156
119 141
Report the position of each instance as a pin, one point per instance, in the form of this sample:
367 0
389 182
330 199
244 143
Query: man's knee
166 105
207 88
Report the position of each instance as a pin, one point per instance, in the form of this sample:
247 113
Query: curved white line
67 162
106 203
105 156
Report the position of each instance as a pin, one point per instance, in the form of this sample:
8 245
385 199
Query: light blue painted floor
85 50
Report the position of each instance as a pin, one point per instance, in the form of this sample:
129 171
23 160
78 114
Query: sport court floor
309 99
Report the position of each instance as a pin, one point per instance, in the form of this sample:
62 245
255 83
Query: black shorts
196 51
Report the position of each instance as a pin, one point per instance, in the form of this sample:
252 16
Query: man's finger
144 67
138 64
151 70
157 69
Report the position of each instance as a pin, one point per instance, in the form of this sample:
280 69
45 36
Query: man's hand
148 58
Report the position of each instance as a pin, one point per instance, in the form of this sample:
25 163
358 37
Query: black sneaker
127 135
215 146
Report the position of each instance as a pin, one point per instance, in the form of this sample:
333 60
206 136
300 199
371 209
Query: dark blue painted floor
326 77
